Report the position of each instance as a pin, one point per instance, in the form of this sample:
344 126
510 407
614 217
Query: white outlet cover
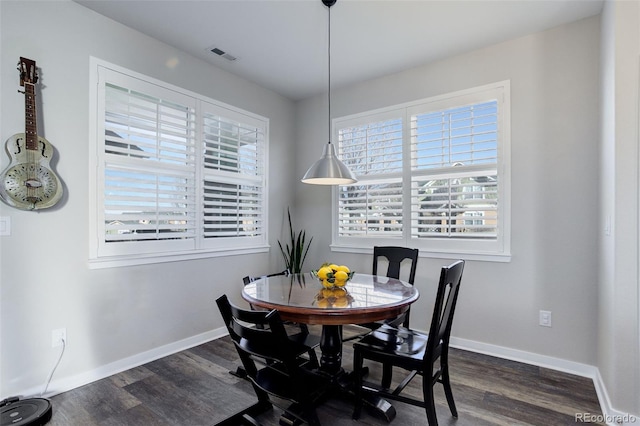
57 336
545 318
5 225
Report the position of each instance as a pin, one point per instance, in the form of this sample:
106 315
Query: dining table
302 298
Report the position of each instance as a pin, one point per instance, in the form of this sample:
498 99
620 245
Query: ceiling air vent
222 53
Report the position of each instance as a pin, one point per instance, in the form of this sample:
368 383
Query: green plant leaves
295 252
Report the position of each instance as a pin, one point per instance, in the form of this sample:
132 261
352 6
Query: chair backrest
256 333
395 256
246 280
445 305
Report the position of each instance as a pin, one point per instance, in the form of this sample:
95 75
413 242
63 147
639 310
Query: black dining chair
297 331
413 351
396 257
283 372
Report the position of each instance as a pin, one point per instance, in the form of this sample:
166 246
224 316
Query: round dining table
301 298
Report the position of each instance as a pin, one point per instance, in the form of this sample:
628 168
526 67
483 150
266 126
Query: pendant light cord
329 73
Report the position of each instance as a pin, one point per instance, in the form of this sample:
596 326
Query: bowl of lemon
333 276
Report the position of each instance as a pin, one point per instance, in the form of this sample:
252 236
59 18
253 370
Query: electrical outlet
57 336
5 225
545 318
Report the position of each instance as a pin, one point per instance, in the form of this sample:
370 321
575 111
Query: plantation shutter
233 175
372 206
149 178
454 184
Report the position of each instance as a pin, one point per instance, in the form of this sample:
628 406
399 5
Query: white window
432 174
176 175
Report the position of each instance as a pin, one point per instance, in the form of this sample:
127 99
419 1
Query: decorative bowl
331 275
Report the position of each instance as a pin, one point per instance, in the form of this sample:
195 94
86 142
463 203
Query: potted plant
295 251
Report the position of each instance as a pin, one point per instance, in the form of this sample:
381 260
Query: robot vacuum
26 412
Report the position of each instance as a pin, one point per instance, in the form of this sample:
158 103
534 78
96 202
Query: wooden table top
301 298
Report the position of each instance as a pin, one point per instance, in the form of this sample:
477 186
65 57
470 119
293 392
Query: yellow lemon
323 303
327 284
341 302
339 292
334 267
322 272
341 276
344 268
327 292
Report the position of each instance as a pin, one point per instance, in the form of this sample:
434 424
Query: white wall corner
609 414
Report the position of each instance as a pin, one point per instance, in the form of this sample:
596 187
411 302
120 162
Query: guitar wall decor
28 183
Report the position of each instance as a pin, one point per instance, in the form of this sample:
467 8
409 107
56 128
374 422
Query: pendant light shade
329 170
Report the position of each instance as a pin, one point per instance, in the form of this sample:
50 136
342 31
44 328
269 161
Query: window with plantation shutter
149 168
373 206
233 176
432 174
176 174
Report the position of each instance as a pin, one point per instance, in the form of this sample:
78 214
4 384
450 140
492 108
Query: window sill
119 261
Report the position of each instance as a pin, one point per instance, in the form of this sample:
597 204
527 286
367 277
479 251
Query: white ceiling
283 44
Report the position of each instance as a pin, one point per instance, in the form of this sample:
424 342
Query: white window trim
95 261
468 250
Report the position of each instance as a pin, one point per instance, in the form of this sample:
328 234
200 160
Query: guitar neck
30 117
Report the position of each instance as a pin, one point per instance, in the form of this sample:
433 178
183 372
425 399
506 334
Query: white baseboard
68 383
610 415
571 367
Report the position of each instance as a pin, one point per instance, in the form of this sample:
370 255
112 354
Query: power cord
64 345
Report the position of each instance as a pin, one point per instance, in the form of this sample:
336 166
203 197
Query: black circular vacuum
26 412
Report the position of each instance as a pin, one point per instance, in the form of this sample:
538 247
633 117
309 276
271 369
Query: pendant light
329 170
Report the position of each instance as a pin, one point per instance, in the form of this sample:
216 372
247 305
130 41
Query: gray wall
110 314
554 146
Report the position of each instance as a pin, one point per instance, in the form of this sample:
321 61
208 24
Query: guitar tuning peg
21 91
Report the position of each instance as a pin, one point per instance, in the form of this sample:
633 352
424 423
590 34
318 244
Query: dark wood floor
194 387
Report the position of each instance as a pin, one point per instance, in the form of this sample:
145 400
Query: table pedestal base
331 347
342 382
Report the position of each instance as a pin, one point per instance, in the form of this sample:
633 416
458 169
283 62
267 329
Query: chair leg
429 403
239 373
447 390
387 373
313 358
358 377
313 418
405 324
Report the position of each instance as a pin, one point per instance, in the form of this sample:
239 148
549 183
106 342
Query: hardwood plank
130 376
93 403
172 403
139 415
